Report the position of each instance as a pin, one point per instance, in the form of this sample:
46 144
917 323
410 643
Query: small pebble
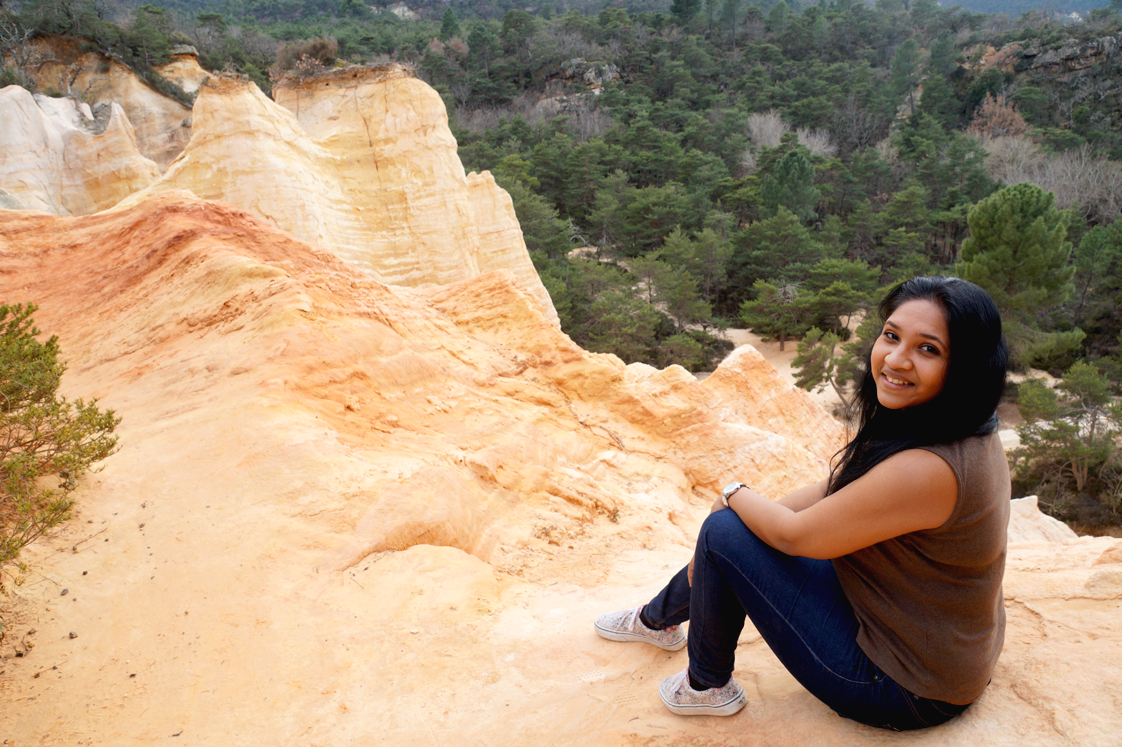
64 592
30 632
414 631
84 572
177 733
142 525
73 634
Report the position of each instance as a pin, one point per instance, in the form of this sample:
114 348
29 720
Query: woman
879 588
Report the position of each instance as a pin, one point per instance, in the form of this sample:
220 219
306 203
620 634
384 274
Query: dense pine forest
679 169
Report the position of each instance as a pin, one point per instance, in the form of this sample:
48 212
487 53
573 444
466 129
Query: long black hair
967 403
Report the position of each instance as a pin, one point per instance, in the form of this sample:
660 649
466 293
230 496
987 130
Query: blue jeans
800 610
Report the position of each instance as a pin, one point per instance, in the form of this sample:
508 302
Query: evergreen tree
1096 305
677 289
619 323
905 73
484 46
791 186
1069 435
449 26
1018 252
777 18
823 358
705 257
729 18
151 27
684 10
777 311
542 230
938 99
779 249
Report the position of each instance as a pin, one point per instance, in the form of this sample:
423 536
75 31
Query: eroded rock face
1069 60
162 124
184 70
386 515
57 157
360 162
467 385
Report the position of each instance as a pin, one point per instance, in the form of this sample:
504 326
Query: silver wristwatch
731 488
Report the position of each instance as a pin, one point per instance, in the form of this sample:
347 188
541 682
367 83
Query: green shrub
43 437
1069 452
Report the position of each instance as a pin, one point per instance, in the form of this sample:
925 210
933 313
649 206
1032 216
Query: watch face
731 488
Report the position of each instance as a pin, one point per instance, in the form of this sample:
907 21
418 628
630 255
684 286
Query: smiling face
910 359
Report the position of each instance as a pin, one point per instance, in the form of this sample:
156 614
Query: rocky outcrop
1072 56
1069 59
162 124
333 493
183 69
595 75
58 157
370 173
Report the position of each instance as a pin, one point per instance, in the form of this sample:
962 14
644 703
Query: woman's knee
724 529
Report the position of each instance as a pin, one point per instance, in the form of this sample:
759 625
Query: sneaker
682 699
625 625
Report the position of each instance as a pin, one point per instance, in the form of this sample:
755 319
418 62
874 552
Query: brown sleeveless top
930 603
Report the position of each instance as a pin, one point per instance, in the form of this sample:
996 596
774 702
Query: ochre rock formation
162 124
56 156
360 162
183 69
348 512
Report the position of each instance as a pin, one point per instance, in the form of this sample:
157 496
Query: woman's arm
909 491
804 497
801 499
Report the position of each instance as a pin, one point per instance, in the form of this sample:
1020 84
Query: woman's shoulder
969 450
921 471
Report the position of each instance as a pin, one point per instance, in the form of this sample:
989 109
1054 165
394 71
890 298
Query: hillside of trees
680 168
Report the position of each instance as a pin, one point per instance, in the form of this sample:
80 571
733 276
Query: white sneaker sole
727 709
615 635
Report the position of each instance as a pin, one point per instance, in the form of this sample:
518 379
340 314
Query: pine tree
938 99
777 311
905 73
684 10
791 185
1018 252
449 26
777 18
779 249
1069 443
